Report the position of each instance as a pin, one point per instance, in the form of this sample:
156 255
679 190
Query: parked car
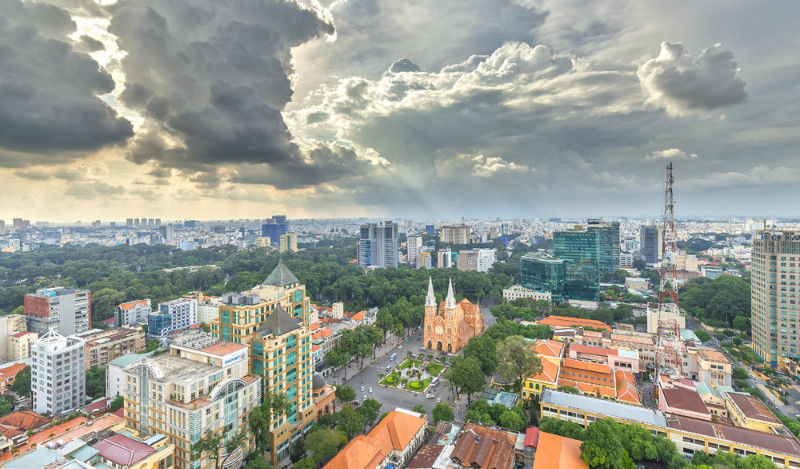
362 388
370 389
438 399
429 396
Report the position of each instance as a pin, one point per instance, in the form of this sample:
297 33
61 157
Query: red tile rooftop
753 408
685 399
742 436
592 350
224 348
123 450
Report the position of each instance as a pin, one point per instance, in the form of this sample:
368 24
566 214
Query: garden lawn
392 379
434 369
409 363
423 385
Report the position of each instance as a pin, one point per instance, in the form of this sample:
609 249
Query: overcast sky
340 108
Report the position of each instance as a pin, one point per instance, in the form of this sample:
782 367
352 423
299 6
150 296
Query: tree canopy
721 299
516 359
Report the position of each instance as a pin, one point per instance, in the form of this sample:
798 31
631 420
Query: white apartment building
58 368
132 313
172 316
208 310
414 246
189 393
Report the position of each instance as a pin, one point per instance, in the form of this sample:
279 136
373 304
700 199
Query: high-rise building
273 319
65 310
455 234
580 252
544 274
288 242
444 258
58 373
190 393
650 245
167 233
413 245
476 260
275 227
132 312
430 229
423 260
377 246
608 233
129 222
773 317
172 316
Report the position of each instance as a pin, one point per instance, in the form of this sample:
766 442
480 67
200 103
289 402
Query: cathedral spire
430 300
450 301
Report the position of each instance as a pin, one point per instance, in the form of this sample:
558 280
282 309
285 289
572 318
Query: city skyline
521 108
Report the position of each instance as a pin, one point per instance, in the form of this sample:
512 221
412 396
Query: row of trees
717 302
527 309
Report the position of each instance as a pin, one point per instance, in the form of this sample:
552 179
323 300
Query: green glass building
543 274
580 251
608 243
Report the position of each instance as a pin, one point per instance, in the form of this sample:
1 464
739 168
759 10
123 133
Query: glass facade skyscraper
274 228
608 233
544 274
580 251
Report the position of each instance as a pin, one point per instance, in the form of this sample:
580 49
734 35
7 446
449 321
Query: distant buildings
476 260
288 242
449 325
775 324
651 237
377 245
9 326
413 246
454 234
275 227
103 346
580 250
172 316
65 310
444 258
58 373
132 313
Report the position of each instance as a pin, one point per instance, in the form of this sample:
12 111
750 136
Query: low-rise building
558 452
749 412
392 442
678 400
8 373
515 292
103 346
558 322
480 446
132 313
10 325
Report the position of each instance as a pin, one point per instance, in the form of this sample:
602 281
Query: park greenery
717 302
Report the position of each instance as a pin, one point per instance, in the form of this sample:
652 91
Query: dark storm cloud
49 100
211 79
678 83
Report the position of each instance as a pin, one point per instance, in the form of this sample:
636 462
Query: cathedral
449 326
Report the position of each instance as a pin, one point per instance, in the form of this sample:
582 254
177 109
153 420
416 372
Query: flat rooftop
742 436
605 407
175 368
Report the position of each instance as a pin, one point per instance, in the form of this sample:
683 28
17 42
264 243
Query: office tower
430 229
544 274
132 312
288 242
167 233
58 373
444 258
377 246
413 245
65 310
581 255
158 222
129 222
608 233
650 243
192 392
774 310
172 316
275 227
458 234
97 224
190 224
273 319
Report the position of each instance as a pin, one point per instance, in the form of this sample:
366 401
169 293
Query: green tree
349 422
740 324
22 382
418 408
602 446
702 335
152 345
511 420
95 382
322 444
516 359
346 393
6 404
442 412
273 405
466 376
209 446
561 427
117 403
369 410
483 349
305 463
258 463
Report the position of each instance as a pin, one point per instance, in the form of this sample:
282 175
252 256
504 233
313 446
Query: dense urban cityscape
380 234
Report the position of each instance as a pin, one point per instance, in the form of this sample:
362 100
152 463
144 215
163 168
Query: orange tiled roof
314 348
26 420
626 387
11 370
359 316
592 350
224 348
586 366
326 332
549 348
563 321
558 452
549 373
395 432
314 326
131 304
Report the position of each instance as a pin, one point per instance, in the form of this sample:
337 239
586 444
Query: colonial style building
450 326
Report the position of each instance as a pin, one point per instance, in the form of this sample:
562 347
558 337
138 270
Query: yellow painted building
124 452
748 411
288 242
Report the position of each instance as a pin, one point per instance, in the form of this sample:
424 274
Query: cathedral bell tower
430 301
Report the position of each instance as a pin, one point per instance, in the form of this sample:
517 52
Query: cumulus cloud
669 154
490 166
678 83
211 79
49 93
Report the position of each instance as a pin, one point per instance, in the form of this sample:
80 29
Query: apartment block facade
104 346
65 310
172 316
58 373
132 313
377 245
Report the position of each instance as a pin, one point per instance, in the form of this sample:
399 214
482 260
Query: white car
370 389
429 396
365 397
362 388
438 399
